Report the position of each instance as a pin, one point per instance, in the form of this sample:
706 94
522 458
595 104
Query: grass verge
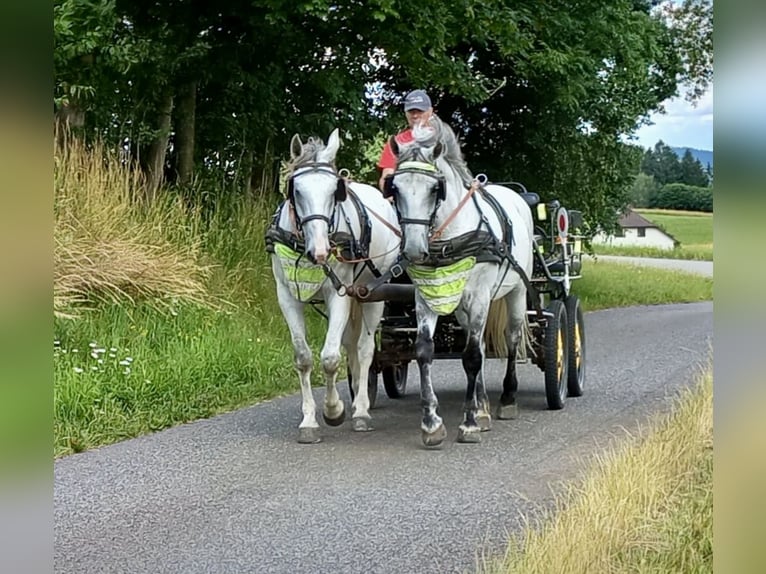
688 252
605 285
645 506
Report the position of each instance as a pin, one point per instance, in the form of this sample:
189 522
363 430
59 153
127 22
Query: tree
692 172
643 189
537 92
692 22
662 164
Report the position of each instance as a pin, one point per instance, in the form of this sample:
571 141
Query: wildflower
75 350
94 368
100 361
112 355
92 345
56 343
126 371
129 359
94 355
125 362
77 370
112 349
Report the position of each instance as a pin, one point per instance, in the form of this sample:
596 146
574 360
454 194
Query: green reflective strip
442 287
417 165
303 277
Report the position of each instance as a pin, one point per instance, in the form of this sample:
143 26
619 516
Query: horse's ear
331 149
394 145
438 148
296 146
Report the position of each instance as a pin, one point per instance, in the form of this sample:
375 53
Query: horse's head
313 189
418 188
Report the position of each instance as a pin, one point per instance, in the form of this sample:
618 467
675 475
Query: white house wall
654 238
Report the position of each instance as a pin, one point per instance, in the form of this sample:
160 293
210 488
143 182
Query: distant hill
704 156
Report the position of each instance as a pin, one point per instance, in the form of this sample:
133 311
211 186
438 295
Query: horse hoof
507 412
309 435
362 425
434 438
484 422
469 436
335 420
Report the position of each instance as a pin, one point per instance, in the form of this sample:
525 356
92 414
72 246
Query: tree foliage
684 197
664 166
538 92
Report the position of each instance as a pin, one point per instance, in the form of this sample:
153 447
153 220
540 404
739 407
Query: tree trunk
67 116
184 140
154 161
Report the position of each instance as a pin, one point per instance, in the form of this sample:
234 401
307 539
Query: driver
417 108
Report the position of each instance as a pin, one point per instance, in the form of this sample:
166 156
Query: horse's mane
436 131
309 150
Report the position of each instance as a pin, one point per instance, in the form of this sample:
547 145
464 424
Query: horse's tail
494 331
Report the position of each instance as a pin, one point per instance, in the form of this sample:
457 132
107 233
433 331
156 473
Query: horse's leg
483 418
350 343
369 317
517 310
308 430
432 428
472 315
338 309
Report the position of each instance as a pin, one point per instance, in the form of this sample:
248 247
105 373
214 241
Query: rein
471 190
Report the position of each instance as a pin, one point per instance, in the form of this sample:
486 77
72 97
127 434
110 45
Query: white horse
463 253
326 235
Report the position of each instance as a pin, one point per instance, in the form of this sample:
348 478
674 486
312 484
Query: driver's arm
385 172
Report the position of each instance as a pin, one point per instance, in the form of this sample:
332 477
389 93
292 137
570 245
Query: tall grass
646 506
109 245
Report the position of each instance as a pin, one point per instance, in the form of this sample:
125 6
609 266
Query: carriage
556 344
422 277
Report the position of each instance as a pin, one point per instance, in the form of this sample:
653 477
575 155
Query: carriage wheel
372 385
555 351
395 380
576 340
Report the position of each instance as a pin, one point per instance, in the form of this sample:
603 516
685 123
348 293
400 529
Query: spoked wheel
556 355
395 380
372 385
576 340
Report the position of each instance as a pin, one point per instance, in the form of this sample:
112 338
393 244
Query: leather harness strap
451 217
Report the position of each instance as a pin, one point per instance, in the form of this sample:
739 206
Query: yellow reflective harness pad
304 278
442 287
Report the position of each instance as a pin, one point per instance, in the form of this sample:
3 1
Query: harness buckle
397 270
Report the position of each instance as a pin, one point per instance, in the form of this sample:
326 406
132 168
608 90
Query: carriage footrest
557 267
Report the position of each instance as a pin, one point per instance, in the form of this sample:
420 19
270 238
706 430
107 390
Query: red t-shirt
387 157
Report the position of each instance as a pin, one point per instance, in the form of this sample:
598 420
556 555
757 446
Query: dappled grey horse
466 245
328 233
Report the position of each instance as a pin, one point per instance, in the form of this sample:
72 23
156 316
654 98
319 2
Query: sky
683 124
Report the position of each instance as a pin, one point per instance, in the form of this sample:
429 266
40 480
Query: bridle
422 168
340 191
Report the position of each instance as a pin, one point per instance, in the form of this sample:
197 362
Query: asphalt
236 493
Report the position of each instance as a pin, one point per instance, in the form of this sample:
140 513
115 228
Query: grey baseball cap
417 100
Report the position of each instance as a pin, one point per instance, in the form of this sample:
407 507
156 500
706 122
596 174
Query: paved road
697 267
237 494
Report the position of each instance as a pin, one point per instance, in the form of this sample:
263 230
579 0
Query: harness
482 244
345 246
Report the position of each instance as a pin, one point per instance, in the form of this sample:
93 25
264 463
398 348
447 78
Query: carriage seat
530 197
